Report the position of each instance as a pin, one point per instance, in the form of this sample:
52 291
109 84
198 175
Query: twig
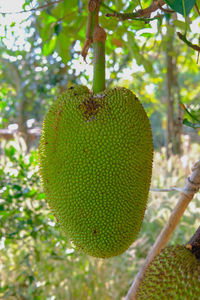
32 9
167 190
168 11
131 16
182 37
192 186
197 9
155 5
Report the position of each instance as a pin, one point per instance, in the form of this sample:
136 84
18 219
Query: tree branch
192 186
182 37
197 9
155 5
167 190
32 9
130 16
168 11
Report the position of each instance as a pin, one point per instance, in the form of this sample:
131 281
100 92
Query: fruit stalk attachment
96 34
99 38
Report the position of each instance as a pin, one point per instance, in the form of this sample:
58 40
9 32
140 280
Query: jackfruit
173 274
95 163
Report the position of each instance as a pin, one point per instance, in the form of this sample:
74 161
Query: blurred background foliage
40 58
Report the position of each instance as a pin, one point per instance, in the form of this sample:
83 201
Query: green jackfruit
95 162
174 274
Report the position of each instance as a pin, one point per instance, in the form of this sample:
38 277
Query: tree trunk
174 126
22 118
170 102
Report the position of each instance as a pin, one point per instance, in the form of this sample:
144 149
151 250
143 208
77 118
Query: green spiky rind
173 274
95 163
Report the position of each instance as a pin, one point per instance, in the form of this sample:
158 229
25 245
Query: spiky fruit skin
95 162
173 274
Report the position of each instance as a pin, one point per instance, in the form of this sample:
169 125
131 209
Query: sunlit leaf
190 124
49 46
180 24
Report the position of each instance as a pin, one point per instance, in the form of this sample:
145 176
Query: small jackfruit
173 274
95 163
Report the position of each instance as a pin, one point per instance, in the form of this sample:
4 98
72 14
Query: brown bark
170 100
174 126
7 134
146 12
22 118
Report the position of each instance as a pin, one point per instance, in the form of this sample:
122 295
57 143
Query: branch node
86 47
99 34
92 6
195 185
196 166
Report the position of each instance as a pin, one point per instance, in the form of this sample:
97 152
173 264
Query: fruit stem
96 35
99 38
92 19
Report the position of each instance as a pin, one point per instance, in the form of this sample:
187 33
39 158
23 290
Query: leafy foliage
193 115
62 25
181 6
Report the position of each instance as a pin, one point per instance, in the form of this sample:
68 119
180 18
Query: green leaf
58 11
147 65
4 288
50 19
179 24
109 23
190 124
191 114
10 151
46 32
178 6
40 196
147 34
67 5
58 28
50 46
63 46
132 45
17 187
